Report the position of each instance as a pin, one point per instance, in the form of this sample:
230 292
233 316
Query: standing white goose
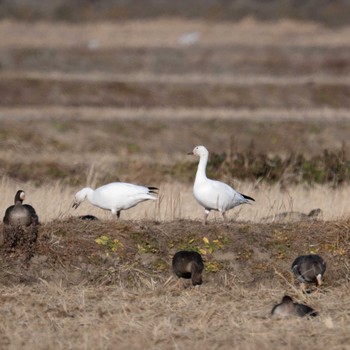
115 196
212 194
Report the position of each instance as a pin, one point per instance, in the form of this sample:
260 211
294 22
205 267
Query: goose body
213 194
20 214
189 265
116 196
309 269
287 308
293 216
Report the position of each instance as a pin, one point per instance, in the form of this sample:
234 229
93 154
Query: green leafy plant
111 245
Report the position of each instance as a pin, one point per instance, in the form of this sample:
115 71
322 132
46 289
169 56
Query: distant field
86 104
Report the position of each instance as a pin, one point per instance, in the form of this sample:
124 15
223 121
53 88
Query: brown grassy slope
74 295
250 252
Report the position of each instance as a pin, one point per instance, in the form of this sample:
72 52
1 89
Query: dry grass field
90 103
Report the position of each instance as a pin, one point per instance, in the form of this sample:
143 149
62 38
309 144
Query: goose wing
6 219
215 194
33 214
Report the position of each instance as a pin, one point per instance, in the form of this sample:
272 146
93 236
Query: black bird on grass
309 269
20 214
189 265
287 308
20 229
88 217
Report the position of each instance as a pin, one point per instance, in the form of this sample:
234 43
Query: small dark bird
189 265
289 309
88 217
293 216
309 269
20 229
20 214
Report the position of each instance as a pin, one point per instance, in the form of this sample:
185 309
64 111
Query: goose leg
118 214
206 213
224 216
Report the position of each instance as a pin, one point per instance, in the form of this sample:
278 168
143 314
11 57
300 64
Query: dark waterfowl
20 229
294 216
287 308
188 265
20 214
309 269
88 217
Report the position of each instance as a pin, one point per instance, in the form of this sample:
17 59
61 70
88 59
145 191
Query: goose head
199 151
20 196
196 274
315 213
79 198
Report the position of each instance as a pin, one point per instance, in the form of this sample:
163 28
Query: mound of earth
132 253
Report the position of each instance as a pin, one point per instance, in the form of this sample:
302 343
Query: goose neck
89 192
202 165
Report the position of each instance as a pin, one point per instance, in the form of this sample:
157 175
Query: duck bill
319 280
190 153
75 205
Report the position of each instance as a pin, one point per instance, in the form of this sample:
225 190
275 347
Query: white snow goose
213 194
116 196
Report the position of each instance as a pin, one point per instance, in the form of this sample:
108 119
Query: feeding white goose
115 196
213 194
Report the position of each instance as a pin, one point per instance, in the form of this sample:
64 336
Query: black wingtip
153 190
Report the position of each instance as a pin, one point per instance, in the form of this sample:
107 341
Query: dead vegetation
90 103
75 285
